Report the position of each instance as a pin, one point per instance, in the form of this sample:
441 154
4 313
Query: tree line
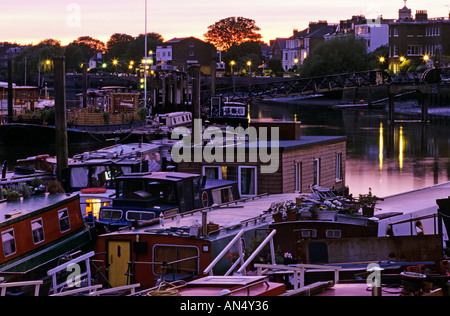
236 38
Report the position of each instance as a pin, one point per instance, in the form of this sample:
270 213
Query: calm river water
390 159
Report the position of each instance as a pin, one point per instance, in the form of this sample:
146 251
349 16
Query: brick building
419 39
181 52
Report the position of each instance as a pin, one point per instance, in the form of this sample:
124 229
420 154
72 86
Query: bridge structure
424 85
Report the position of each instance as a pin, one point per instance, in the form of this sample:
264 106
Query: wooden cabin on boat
36 231
120 103
26 100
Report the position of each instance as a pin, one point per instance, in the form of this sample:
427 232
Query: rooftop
14 211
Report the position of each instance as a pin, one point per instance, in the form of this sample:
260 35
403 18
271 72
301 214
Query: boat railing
36 284
298 271
237 238
66 267
244 264
267 240
435 216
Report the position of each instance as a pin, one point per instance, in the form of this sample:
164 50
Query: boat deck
229 217
413 201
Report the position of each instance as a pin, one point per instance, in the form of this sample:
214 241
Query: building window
214 173
247 181
395 31
339 168
415 50
37 230
191 44
395 51
316 179
191 53
298 177
8 242
64 222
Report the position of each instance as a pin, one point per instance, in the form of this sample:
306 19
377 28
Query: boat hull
23 134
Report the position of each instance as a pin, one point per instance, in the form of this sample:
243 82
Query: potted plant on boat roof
11 193
291 211
277 211
368 202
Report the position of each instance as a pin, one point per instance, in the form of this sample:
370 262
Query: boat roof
169 176
11 212
236 215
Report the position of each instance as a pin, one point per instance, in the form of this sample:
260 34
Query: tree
89 46
337 55
39 58
136 48
276 66
233 30
241 54
74 58
118 45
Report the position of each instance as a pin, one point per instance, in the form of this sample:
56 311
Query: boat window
37 230
162 190
333 233
8 242
140 215
308 233
419 228
222 195
110 214
64 221
187 258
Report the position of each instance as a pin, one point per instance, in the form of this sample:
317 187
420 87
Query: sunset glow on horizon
29 22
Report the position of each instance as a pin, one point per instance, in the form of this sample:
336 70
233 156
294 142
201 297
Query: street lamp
295 65
232 64
426 58
382 59
249 64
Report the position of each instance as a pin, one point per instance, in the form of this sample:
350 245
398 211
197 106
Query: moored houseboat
224 112
183 246
36 231
142 197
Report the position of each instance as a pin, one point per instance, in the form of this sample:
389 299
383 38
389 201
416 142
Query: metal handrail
223 252
268 239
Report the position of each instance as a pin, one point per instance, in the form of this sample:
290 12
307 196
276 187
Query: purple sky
30 21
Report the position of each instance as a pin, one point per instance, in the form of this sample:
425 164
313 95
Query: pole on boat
60 116
146 57
10 91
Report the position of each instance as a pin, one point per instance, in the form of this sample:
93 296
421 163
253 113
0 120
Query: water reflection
381 144
388 158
